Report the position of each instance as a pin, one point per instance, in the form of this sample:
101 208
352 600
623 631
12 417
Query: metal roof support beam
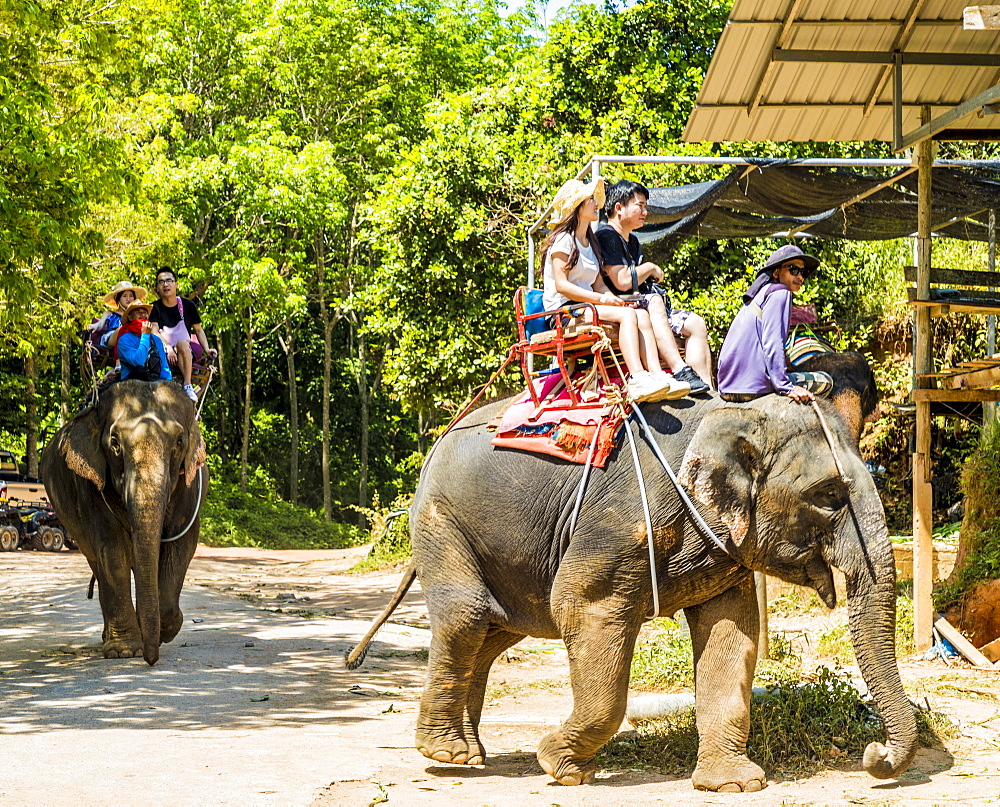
901 41
879 57
897 98
765 80
942 122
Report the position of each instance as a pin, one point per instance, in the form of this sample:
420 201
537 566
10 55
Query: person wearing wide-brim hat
571 263
116 300
135 341
752 359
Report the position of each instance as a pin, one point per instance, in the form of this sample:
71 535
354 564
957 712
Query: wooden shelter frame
973 384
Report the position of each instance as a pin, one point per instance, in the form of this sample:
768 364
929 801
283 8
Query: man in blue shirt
136 341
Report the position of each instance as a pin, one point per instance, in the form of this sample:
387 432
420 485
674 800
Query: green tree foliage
344 187
56 156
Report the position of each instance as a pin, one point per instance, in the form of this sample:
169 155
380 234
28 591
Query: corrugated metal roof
837 101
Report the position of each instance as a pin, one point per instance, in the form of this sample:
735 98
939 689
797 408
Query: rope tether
194 515
702 524
645 514
829 439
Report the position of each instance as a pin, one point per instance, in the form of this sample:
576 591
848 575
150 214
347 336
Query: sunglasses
799 271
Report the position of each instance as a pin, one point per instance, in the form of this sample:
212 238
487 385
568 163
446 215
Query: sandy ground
251 704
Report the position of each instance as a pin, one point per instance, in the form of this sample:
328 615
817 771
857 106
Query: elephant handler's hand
801 394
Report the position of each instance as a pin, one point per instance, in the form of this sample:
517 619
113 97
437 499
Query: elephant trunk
871 597
148 494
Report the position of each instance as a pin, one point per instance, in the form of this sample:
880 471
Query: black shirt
168 317
615 252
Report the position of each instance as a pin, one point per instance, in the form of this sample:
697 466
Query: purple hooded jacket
752 360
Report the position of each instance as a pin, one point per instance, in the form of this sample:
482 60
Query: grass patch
232 518
798 729
664 660
835 643
797 601
390 536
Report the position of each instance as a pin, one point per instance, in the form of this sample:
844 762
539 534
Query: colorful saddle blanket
560 429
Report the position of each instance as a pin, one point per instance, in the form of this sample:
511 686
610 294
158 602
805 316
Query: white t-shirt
584 274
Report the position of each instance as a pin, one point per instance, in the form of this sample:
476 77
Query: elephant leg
175 557
122 637
600 639
458 630
497 640
724 637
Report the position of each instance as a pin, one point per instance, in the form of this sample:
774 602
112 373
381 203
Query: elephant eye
115 445
830 496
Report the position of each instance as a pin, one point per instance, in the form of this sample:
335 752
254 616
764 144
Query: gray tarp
774 197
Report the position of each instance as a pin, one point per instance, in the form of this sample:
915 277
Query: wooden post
764 639
923 577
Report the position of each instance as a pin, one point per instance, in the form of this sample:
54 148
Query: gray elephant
496 562
127 479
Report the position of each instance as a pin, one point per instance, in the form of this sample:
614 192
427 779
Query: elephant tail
355 657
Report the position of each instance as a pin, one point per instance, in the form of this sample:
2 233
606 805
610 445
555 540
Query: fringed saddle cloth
560 429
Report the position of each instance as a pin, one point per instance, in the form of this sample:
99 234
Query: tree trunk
223 410
364 400
293 415
245 445
329 320
64 388
31 408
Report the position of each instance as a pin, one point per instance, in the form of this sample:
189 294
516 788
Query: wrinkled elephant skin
123 476
492 550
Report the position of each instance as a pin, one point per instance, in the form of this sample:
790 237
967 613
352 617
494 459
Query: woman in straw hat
135 341
572 262
116 300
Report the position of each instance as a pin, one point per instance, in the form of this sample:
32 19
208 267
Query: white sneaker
675 388
643 386
191 393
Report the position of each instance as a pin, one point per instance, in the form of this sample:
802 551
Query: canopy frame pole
990 409
923 578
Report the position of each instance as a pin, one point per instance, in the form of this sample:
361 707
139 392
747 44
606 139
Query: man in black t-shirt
624 270
177 322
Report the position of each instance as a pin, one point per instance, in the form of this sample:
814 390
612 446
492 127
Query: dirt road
252 706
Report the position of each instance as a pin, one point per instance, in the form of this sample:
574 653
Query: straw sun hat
135 306
123 285
572 194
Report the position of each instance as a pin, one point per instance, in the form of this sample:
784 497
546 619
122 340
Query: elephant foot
170 624
454 752
123 648
558 762
731 775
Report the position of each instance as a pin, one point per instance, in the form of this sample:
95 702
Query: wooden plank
967 296
956 395
940 308
981 18
962 645
957 277
991 650
923 548
976 379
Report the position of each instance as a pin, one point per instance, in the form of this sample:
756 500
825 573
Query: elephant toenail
753 786
730 787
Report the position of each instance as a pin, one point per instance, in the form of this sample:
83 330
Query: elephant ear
195 456
723 462
80 446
